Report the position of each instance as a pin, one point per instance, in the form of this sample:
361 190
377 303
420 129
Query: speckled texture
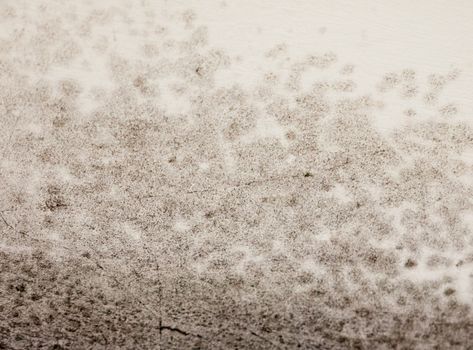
160 210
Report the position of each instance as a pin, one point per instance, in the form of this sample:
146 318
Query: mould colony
144 227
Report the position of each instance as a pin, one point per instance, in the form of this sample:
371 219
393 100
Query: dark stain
54 199
410 263
449 291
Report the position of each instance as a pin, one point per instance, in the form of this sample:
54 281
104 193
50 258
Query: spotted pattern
144 206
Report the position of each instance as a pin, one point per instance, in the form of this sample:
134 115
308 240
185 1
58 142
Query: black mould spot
410 263
449 291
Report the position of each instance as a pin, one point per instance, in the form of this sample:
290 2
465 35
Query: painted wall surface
236 174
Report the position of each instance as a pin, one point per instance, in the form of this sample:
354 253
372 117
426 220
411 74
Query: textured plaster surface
240 175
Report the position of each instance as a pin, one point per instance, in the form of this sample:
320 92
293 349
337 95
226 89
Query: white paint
181 225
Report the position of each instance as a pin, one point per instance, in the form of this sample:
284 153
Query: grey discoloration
251 219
